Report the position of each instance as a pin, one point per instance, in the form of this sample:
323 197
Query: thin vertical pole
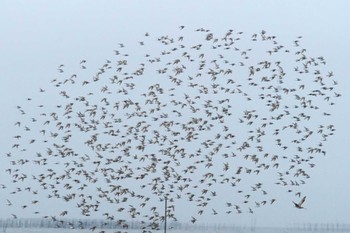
165 215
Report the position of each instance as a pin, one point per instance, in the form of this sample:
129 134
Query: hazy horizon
38 37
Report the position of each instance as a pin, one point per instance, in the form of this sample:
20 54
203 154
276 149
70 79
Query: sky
38 36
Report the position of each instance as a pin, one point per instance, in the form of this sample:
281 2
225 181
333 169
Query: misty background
36 37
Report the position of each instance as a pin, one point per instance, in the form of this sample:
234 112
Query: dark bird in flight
299 205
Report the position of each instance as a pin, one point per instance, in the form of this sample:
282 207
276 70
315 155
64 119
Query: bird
184 120
299 205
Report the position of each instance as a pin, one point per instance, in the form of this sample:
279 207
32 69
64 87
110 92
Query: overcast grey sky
37 36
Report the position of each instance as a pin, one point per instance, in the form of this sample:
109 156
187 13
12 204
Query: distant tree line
102 224
325 227
69 223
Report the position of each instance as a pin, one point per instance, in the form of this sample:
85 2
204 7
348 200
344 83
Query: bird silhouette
299 205
191 119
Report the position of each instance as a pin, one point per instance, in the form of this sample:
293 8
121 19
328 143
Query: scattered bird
190 120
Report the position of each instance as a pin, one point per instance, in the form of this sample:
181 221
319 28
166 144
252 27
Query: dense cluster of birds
216 124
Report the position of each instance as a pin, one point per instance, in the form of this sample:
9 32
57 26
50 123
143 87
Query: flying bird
299 205
183 119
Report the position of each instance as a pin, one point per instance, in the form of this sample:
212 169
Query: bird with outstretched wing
299 205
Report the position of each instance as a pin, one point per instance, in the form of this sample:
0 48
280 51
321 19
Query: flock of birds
216 124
